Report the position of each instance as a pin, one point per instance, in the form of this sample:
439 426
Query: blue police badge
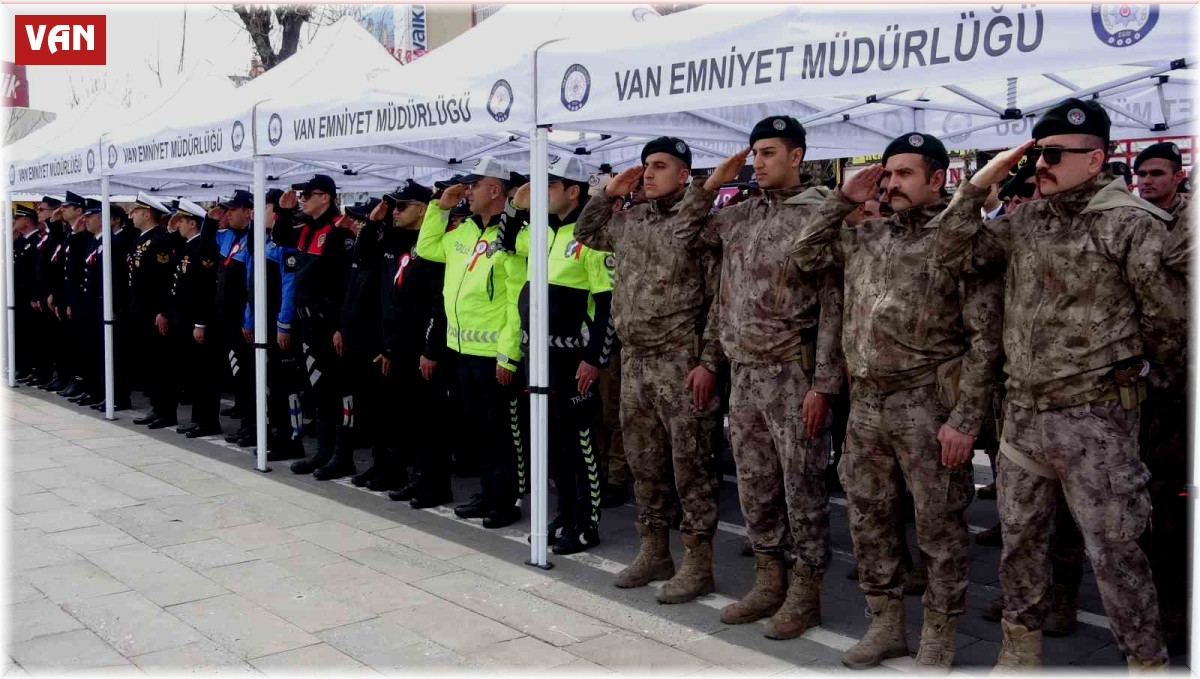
1123 25
576 86
500 101
112 156
275 129
238 135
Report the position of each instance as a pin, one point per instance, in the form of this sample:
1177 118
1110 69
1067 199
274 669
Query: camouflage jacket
768 307
1086 287
905 316
1177 252
662 291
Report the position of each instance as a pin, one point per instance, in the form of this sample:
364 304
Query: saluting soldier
25 288
73 253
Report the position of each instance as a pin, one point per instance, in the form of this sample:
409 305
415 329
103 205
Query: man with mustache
1089 312
921 346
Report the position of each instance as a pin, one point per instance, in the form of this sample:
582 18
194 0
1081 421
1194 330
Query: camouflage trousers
780 471
664 434
899 429
1092 451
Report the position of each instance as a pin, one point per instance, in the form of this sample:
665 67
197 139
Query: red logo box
60 40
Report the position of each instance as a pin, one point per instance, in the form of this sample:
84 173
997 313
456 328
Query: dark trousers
239 355
492 417
572 452
362 400
325 372
200 367
417 417
285 383
154 360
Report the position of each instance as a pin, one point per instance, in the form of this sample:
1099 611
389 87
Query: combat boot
765 597
342 463
653 560
1020 650
695 577
802 607
937 641
1062 619
885 637
1139 666
325 441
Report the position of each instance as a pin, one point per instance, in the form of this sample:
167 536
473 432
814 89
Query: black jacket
233 289
50 261
322 260
361 323
25 268
75 252
414 317
195 284
151 270
91 286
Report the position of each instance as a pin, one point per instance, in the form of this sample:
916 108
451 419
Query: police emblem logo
91 161
112 156
576 87
493 248
500 101
290 262
275 129
610 261
1124 24
238 135
413 251
321 240
593 180
1175 149
571 248
916 140
681 147
640 14
163 258
1076 116
779 124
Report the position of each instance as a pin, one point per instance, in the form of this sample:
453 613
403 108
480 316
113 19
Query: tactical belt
1023 461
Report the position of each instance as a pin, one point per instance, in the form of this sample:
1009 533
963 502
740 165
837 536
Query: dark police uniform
151 272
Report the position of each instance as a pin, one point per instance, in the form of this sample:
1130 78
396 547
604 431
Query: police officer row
402 309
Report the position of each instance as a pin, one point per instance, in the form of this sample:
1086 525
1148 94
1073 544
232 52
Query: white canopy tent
857 76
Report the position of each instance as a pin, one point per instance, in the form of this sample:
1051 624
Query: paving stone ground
144 552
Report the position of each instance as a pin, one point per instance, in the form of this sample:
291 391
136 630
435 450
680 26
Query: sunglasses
1053 154
310 194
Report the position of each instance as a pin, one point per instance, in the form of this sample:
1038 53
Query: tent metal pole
259 242
1162 67
971 96
110 373
539 323
1162 102
849 107
10 295
715 120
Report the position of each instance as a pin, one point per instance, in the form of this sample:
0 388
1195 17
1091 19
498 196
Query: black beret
1164 149
921 144
782 127
672 146
1073 116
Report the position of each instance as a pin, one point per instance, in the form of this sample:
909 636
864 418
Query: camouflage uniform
1164 449
661 296
769 312
1086 291
1177 253
909 325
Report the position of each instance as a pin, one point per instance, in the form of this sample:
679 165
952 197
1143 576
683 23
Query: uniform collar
1072 201
666 204
920 217
779 195
573 217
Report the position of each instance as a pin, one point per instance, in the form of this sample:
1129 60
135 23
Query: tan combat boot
1020 650
801 609
695 577
765 597
653 560
885 637
937 641
1139 666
